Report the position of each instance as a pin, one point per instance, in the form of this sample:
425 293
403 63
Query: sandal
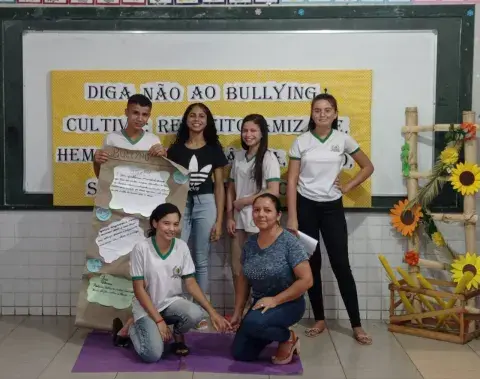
119 340
294 343
362 338
313 332
180 349
202 325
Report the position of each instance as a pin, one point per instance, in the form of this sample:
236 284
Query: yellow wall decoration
86 105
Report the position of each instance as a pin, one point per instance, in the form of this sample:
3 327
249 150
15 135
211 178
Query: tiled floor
47 347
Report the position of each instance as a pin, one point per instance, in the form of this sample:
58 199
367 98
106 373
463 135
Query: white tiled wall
42 256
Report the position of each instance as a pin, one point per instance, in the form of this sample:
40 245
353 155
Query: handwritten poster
119 238
110 291
138 190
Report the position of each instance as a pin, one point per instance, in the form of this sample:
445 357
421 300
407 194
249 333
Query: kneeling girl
158 266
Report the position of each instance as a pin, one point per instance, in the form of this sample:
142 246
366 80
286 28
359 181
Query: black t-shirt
200 162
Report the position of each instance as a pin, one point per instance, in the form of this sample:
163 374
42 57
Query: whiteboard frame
215 19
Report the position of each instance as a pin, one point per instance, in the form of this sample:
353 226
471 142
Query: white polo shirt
241 175
121 140
162 273
321 161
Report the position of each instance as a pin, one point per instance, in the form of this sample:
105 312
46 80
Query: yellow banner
87 105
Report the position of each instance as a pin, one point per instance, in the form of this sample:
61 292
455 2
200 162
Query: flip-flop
362 338
180 349
314 332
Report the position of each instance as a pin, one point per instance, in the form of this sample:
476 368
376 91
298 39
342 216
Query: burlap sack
129 188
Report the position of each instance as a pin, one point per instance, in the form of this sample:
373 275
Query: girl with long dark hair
315 205
158 267
198 149
255 171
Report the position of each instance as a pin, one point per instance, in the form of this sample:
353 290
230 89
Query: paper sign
119 238
110 291
138 190
309 243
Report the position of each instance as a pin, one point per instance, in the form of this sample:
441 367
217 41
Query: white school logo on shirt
177 272
335 148
197 177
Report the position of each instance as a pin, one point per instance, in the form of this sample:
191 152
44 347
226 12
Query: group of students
271 269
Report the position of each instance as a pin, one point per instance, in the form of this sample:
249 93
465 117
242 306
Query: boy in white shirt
133 137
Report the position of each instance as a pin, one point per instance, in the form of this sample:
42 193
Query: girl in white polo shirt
315 204
255 170
158 265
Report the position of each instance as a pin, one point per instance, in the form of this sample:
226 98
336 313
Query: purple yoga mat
210 352
99 355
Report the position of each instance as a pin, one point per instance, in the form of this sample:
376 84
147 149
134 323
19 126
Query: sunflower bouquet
464 177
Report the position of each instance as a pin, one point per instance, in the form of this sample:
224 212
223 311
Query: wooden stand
451 325
424 309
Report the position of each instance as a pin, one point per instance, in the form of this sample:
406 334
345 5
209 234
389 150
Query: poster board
88 104
131 185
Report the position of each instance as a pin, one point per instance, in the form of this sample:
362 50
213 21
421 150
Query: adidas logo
197 177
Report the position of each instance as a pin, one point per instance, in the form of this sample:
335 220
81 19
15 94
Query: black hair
275 200
257 172
209 133
160 212
333 102
139 99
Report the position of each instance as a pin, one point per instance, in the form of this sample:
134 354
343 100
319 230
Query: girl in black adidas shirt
198 149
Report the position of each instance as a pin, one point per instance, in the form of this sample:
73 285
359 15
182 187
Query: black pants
329 218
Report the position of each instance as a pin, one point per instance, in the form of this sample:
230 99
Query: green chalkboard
454 24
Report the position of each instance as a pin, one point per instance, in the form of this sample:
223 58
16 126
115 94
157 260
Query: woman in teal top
276 268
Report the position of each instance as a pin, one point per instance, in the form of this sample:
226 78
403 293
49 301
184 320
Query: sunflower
437 239
468 262
466 178
449 156
405 221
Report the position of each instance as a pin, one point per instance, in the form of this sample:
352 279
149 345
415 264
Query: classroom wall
42 255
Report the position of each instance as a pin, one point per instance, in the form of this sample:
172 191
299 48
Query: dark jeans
329 218
258 330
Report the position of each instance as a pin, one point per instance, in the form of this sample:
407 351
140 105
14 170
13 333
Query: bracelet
159 321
